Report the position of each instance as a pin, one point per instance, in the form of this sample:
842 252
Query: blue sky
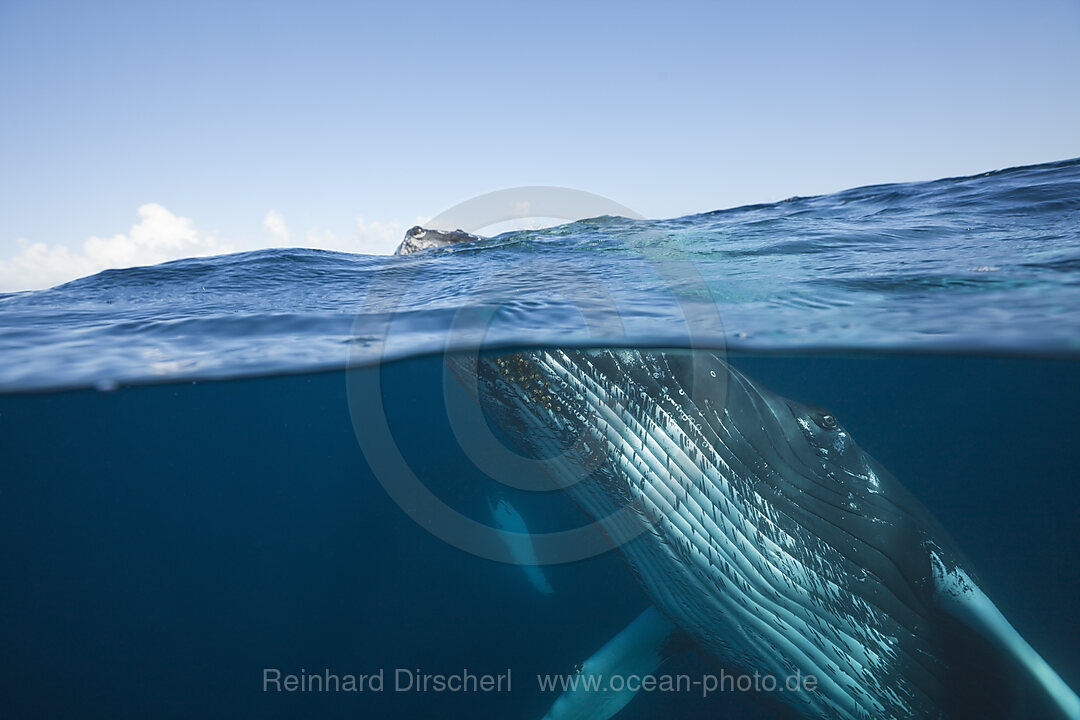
135 131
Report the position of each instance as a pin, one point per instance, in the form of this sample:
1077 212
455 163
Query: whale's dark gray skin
418 238
771 539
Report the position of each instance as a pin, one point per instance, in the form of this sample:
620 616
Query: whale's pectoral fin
637 650
516 536
957 595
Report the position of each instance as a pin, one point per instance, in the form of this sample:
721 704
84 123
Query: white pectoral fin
958 595
515 534
637 650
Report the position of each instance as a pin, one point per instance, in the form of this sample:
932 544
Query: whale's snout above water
418 238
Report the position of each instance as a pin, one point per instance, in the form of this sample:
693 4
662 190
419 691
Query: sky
137 132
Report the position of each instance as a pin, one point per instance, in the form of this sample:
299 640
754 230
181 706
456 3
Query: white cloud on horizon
275 225
158 237
161 236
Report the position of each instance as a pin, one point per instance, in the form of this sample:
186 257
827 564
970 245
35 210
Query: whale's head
418 238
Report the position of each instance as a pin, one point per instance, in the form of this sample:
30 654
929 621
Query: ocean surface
194 490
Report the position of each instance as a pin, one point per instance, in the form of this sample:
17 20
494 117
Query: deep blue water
184 500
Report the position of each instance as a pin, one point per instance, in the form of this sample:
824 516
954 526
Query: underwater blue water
184 501
160 545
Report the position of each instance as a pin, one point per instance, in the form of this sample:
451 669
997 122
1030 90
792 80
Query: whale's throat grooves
771 549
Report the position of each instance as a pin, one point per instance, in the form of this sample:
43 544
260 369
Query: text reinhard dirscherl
401 680
417 681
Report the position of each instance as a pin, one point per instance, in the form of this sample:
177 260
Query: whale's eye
825 421
418 232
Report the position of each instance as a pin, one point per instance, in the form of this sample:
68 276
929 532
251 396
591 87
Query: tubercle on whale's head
841 458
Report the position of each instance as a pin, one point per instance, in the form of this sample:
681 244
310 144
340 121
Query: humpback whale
765 536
